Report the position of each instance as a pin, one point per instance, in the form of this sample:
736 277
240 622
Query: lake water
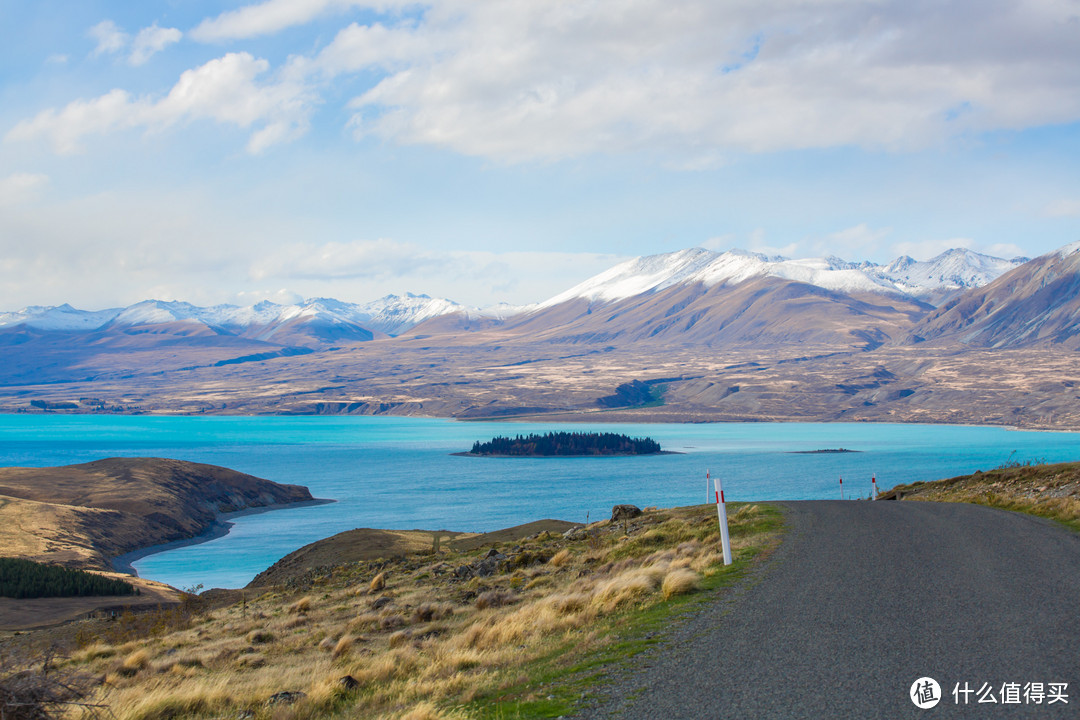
398 473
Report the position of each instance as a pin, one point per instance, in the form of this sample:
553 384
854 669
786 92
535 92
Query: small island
819 452
565 444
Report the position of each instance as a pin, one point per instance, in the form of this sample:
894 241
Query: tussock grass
134 662
93 652
560 558
342 647
259 637
377 583
1050 491
679 582
428 711
301 606
495 598
417 639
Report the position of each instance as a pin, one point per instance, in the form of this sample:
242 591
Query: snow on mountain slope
658 272
394 314
263 321
933 281
1037 303
62 317
1070 249
956 269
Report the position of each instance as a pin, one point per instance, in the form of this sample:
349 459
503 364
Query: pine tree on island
566 444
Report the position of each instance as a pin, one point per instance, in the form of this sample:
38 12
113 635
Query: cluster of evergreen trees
564 443
27 579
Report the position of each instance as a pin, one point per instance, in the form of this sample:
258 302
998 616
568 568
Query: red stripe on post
721 496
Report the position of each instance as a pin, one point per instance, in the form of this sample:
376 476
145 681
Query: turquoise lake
398 473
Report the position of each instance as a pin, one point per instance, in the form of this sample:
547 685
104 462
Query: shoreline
544 457
217 529
569 416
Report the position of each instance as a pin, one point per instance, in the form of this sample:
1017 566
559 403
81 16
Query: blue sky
504 150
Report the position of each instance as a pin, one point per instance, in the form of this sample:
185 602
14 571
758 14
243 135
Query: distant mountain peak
1036 302
264 320
1067 250
949 272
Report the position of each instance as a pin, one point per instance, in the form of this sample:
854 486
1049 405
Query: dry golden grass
303 605
560 558
427 711
1051 491
342 647
427 644
679 582
377 583
134 662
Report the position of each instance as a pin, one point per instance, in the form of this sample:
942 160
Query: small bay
399 473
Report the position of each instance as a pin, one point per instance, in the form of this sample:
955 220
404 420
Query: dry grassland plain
487 375
515 629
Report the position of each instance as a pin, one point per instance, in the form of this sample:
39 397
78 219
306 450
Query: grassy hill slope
508 629
1051 491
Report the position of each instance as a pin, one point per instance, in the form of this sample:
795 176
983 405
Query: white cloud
854 243
110 249
110 39
927 249
758 242
523 79
65 128
226 90
345 260
21 188
367 268
691 83
1005 250
150 41
254 297
720 243
268 17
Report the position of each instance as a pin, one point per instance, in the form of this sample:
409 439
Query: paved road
860 601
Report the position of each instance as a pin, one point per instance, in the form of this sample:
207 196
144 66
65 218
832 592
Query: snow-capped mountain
930 281
953 270
61 317
394 314
654 273
325 321
1036 303
322 318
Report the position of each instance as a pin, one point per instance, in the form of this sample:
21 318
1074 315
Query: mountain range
689 335
328 320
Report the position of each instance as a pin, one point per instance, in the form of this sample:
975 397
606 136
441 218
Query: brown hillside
1038 303
363 544
82 515
760 312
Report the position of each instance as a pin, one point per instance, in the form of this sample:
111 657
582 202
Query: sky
504 150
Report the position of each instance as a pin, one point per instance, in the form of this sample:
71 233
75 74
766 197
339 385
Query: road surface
863 599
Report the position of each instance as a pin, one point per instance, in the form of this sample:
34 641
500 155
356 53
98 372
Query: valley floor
465 378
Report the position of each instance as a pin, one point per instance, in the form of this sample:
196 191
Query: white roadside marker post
721 514
841 487
873 484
